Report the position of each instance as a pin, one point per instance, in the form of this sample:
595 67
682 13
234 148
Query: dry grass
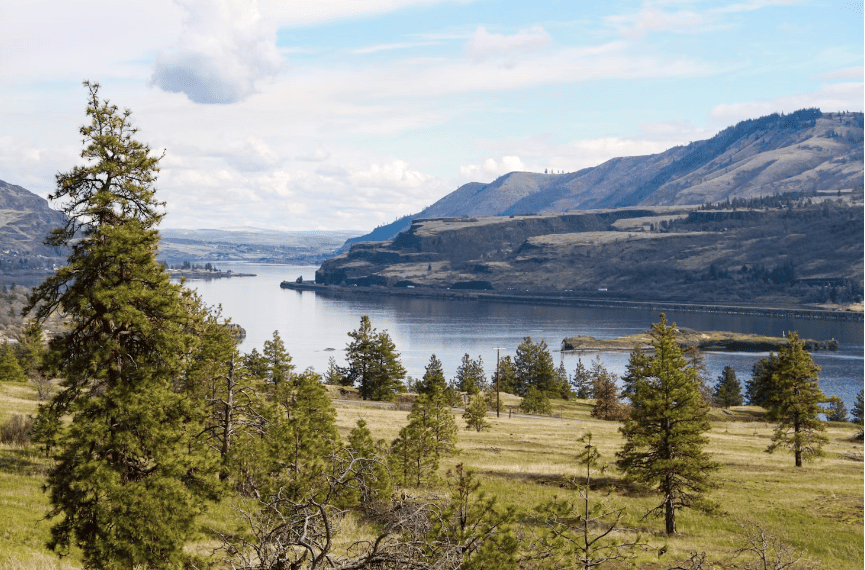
526 459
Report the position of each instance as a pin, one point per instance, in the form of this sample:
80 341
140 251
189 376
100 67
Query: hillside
25 220
771 250
804 151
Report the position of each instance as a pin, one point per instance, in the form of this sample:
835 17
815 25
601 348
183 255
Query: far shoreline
555 299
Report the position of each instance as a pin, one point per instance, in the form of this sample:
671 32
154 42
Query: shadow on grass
599 484
22 461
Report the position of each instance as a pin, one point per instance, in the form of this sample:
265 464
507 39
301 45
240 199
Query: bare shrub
17 431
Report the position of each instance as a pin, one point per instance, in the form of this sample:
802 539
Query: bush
536 402
17 431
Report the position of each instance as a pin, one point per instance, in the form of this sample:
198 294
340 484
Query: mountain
25 220
804 151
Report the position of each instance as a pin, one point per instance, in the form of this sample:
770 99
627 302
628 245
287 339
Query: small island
710 340
207 271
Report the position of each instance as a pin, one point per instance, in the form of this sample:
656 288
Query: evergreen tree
475 526
31 348
837 411
360 444
279 367
476 413
373 363
414 453
728 391
333 375
760 387
507 376
582 382
255 364
856 414
301 436
442 423
433 378
565 392
470 375
794 402
536 402
10 369
533 366
607 404
387 370
664 438
129 475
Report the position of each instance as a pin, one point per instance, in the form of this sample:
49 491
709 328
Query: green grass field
817 509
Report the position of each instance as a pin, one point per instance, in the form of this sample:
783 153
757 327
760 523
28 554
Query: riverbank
558 299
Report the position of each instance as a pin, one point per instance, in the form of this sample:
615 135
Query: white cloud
224 50
305 13
490 169
855 72
652 19
832 97
484 45
394 46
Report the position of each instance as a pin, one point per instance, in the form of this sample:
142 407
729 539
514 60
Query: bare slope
25 220
805 151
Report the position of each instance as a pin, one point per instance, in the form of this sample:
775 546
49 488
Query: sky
348 114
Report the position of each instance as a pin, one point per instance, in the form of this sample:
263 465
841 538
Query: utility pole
498 373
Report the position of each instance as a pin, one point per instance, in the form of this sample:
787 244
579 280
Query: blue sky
346 114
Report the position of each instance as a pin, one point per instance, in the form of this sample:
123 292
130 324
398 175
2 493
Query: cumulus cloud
395 174
651 19
484 45
491 169
225 48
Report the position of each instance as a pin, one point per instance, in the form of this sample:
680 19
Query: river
314 327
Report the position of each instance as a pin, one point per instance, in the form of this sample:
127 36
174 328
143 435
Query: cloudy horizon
345 115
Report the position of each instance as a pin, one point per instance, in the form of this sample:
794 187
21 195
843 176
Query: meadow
817 510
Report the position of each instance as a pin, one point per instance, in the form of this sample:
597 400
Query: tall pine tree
129 475
664 436
794 402
728 391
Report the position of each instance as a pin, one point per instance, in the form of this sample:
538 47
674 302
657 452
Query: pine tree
334 373
476 413
129 475
794 402
759 388
387 371
582 382
728 391
664 438
607 404
475 526
414 453
565 392
279 367
31 348
470 375
301 436
255 364
360 444
373 363
433 378
507 376
856 414
837 411
10 370
533 366
536 402
442 423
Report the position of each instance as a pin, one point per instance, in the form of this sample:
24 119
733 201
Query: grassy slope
523 460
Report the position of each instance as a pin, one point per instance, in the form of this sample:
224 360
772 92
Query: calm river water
314 327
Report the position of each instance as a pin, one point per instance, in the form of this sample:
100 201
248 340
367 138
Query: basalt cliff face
25 220
805 250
